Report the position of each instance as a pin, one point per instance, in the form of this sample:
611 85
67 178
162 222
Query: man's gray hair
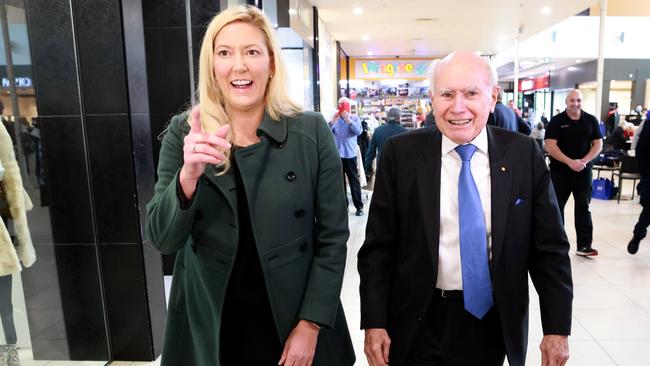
489 68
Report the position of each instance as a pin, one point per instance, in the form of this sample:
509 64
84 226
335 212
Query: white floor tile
600 297
629 353
608 324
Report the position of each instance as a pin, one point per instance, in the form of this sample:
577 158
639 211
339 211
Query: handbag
602 188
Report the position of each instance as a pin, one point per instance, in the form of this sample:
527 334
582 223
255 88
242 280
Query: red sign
537 83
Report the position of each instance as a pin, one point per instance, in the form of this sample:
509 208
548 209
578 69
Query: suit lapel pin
503 169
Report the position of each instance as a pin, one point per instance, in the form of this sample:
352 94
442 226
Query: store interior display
377 98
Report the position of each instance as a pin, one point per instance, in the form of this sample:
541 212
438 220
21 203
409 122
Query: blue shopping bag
602 188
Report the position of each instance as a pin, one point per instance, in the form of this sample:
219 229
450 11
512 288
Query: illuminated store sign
20 82
537 83
391 68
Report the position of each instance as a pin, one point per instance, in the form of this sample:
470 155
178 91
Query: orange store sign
391 68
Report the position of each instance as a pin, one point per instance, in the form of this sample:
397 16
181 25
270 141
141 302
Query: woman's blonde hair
278 104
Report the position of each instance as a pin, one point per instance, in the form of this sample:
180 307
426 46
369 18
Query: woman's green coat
294 186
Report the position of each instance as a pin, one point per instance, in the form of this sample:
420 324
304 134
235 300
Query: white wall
577 38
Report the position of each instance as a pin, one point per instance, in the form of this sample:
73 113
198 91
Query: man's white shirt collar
479 141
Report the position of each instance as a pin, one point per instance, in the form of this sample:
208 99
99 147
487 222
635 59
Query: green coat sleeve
168 225
331 233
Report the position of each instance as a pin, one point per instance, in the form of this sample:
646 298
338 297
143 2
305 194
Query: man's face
574 102
463 98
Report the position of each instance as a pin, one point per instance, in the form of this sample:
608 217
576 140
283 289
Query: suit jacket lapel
428 183
501 176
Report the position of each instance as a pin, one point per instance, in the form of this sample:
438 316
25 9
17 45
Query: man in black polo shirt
573 140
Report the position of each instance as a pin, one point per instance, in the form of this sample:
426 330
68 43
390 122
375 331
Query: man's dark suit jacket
399 258
503 117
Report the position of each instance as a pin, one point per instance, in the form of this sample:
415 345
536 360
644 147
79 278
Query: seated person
617 139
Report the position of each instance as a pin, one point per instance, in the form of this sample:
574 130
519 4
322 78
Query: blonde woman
249 196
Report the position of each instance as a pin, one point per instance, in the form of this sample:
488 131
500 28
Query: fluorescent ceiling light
578 61
546 10
357 11
365 37
369 53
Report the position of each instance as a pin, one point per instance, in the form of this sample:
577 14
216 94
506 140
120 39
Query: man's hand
555 350
301 345
576 165
377 346
346 117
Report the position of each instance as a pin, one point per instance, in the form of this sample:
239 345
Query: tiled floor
611 320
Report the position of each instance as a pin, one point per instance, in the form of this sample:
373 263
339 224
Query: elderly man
459 218
346 127
573 140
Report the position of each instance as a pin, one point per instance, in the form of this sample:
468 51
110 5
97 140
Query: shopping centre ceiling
437 27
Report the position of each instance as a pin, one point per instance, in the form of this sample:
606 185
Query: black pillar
96 291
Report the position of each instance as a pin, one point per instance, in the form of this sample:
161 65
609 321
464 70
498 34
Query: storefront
625 81
377 84
535 98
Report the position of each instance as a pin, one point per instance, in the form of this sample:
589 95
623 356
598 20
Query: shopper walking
503 116
573 140
642 154
249 195
382 133
345 128
538 134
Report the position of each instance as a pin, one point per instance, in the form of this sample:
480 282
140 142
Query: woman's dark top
248 332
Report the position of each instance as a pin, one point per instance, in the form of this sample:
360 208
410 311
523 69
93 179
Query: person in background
617 139
642 154
637 135
522 126
502 116
613 118
372 123
538 134
573 140
463 196
420 117
544 119
249 196
345 128
430 120
382 133
635 116
362 140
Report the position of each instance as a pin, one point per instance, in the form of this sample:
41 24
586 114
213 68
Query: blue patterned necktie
477 286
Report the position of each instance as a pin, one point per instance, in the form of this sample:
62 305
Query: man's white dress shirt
449 267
